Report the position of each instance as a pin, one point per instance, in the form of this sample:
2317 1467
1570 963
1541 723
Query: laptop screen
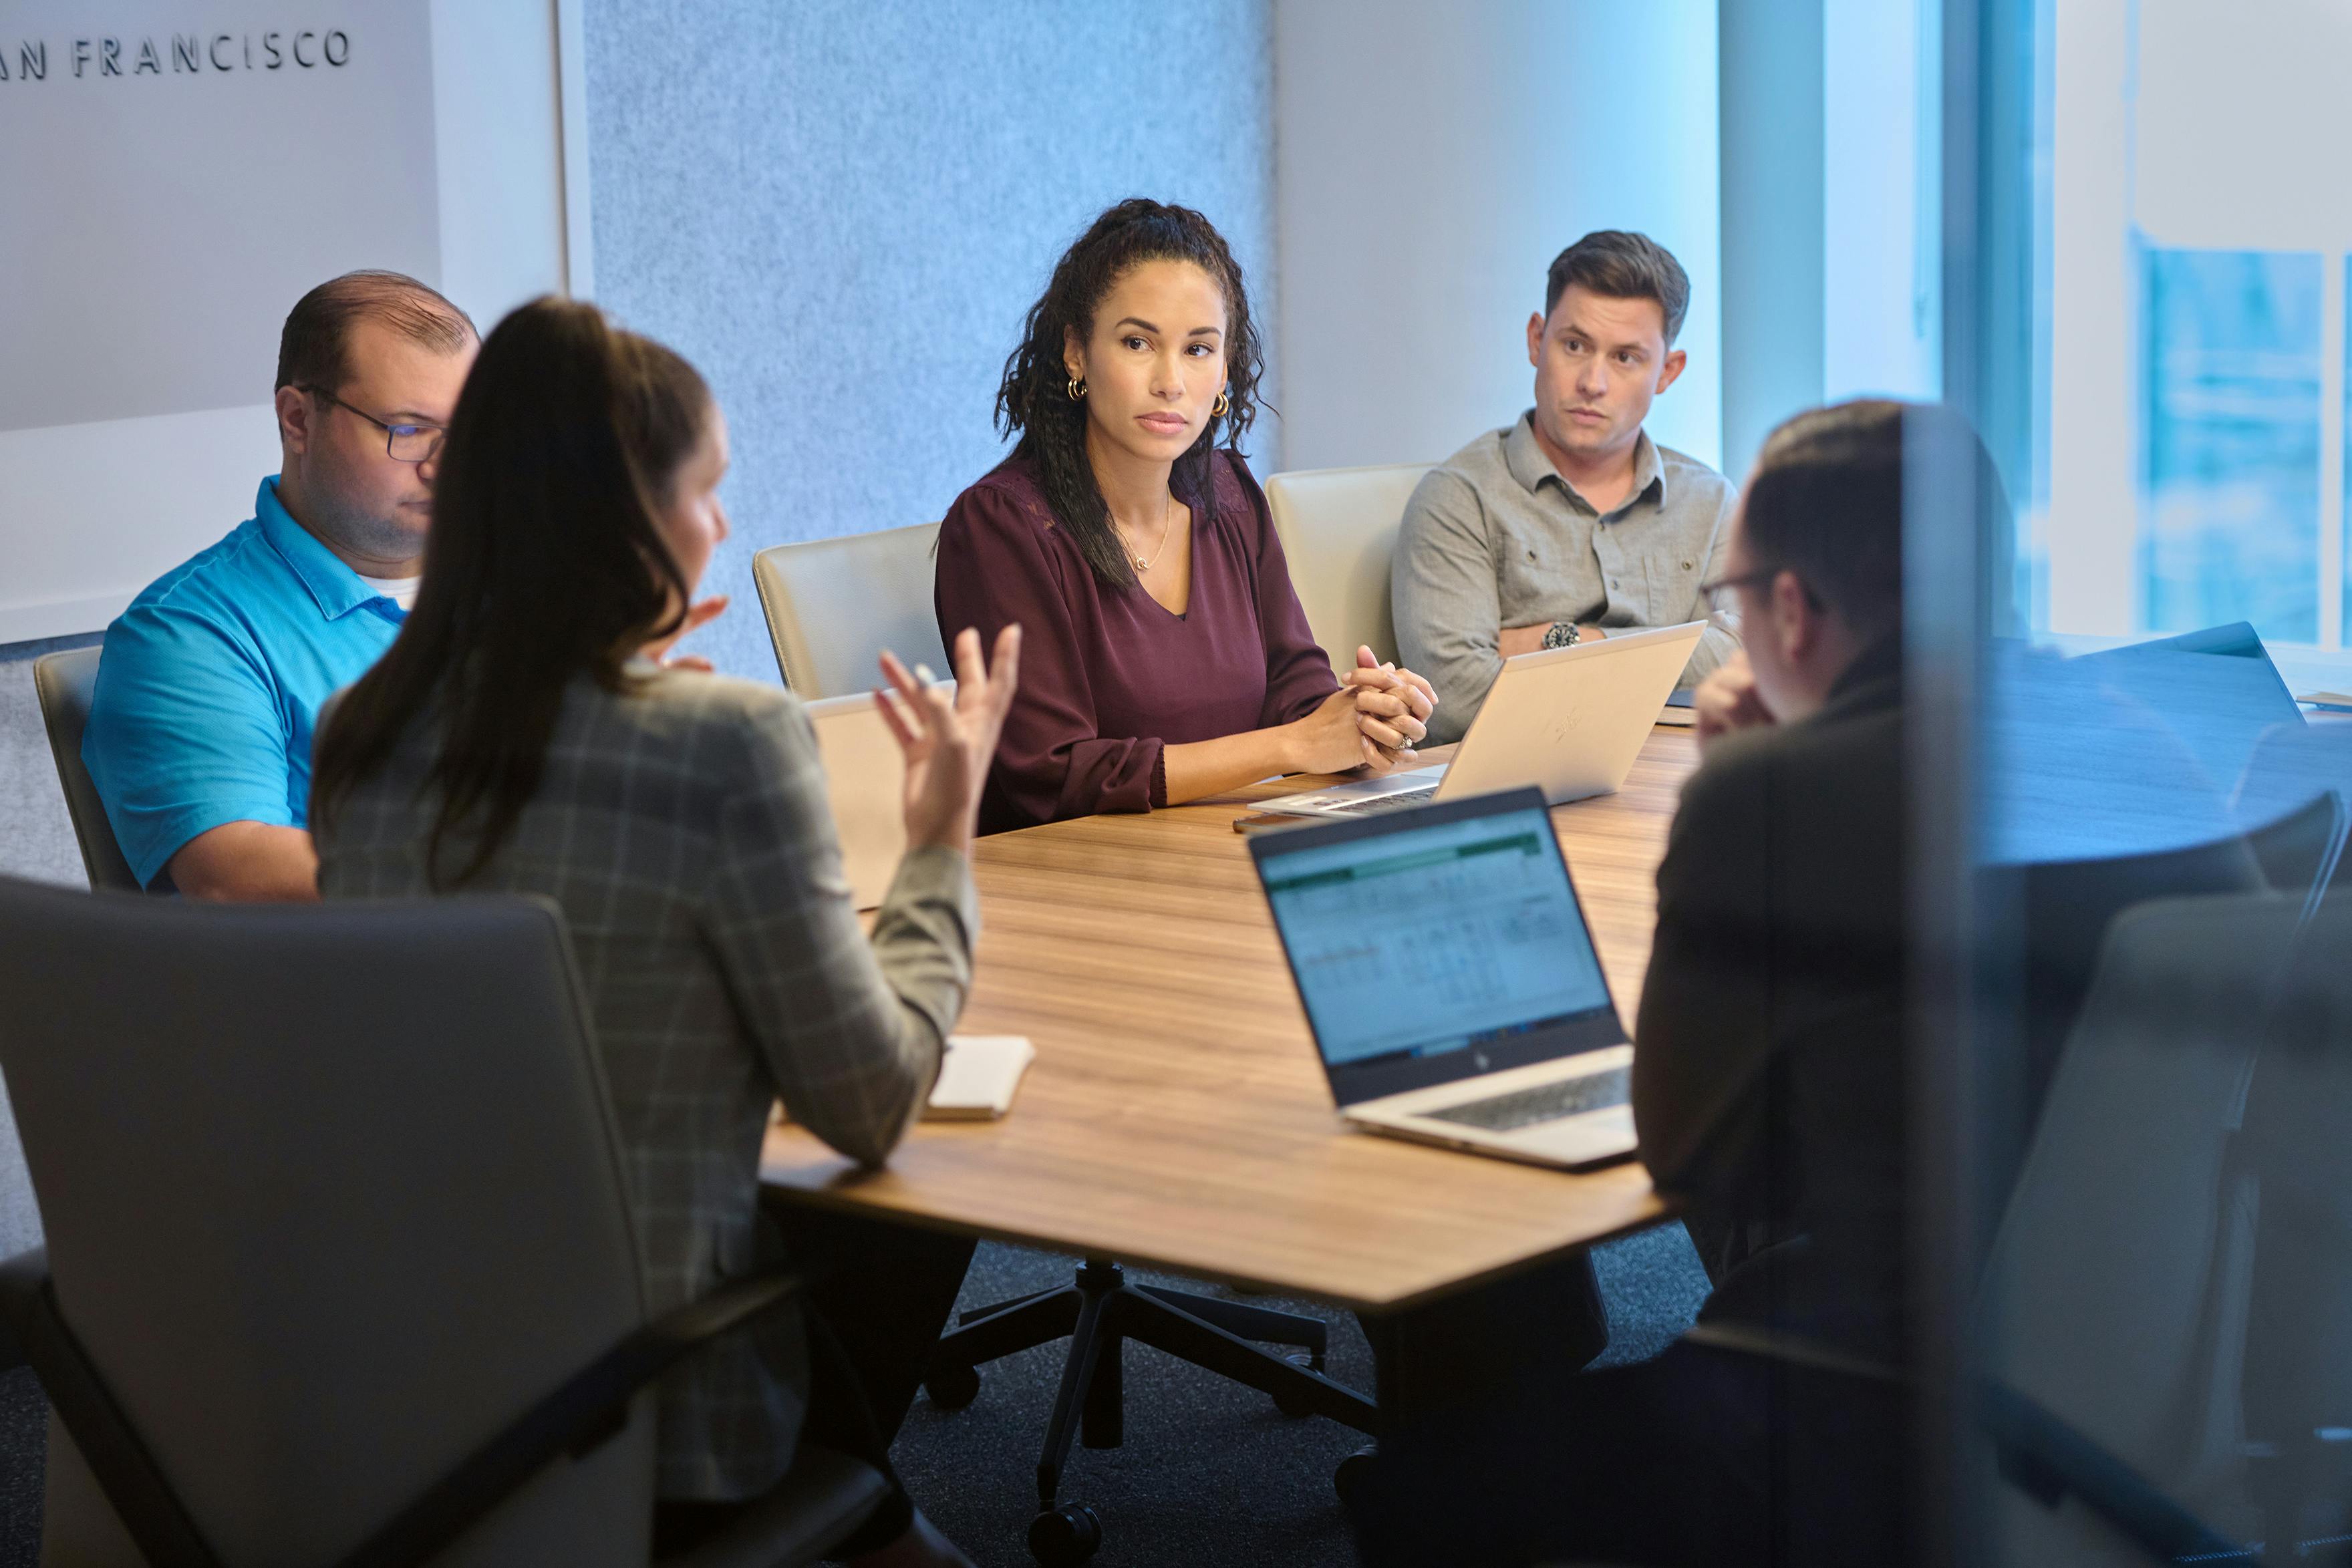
1436 944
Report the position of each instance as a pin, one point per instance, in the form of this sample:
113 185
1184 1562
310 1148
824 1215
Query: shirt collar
1874 678
334 587
1524 455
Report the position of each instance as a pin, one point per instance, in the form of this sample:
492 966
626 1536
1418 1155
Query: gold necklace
1167 510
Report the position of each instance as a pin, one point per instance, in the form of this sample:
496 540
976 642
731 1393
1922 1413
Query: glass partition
2131 1087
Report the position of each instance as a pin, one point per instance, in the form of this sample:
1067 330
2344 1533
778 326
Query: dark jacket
1768 1072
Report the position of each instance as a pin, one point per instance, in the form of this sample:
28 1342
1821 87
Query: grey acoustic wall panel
840 209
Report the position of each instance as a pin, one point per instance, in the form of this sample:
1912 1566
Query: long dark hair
1034 401
545 562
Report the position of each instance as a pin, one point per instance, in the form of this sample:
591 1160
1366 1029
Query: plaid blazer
683 827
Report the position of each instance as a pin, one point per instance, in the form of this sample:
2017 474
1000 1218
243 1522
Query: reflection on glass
2231 442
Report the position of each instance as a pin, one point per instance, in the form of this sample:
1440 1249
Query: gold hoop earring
1077 389
1222 404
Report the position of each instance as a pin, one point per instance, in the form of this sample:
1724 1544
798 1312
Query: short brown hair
1826 499
314 349
1622 265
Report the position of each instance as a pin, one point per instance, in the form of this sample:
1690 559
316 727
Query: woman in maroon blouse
1165 656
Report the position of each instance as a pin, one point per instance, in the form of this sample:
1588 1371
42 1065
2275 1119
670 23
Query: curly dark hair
1034 401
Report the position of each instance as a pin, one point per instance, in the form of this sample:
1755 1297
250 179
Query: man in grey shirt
1572 524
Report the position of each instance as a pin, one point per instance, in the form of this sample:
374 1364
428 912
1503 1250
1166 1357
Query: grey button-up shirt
1494 538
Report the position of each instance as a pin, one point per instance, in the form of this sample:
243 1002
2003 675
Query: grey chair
340 1262
2293 763
65 682
2115 1300
832 605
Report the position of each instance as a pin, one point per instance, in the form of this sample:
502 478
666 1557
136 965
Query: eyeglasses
402 443
1757 579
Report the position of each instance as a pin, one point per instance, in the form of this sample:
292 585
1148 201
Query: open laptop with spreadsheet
1450 981
1569 720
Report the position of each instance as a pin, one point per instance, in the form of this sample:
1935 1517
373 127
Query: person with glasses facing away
200 729
1572 524
527 735
1169 658
1769 1084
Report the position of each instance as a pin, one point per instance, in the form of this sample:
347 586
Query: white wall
1432 160
93 508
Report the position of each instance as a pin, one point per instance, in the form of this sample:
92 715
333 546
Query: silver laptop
1450 981
1567 720
865 778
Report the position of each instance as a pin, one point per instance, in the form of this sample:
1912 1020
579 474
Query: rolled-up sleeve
996 567
1448 608
851 1027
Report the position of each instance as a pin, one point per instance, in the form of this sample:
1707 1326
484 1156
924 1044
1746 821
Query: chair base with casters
825 1497
1099 1310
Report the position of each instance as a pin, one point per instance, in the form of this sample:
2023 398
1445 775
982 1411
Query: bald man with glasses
199 736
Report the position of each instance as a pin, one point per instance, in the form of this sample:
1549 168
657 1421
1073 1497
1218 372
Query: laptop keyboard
1544 1102
1387 802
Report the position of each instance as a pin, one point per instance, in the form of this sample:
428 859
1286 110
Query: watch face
1561 635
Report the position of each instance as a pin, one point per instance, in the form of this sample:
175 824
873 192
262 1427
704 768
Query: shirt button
1686 566
1612 582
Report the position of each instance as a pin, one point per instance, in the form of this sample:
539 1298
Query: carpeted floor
1211 1472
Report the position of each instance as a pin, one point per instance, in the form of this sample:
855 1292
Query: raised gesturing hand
949 741
697 616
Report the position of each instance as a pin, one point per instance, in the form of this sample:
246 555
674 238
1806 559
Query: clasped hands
1372 722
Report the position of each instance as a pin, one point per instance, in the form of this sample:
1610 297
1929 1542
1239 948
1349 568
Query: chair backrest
2067 907
2295 1152
65 682
2115 1299
1338 526
832 605
331 1194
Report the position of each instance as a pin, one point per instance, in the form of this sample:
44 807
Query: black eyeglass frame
1757 579
392 432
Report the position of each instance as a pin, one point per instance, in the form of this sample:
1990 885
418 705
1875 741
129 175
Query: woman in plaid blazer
529 732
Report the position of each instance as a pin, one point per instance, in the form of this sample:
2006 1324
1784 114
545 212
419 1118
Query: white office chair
832 605
1338 526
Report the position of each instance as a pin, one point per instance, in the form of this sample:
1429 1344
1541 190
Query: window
2229 523
2192 466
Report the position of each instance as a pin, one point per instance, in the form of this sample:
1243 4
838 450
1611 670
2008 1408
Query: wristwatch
1561 634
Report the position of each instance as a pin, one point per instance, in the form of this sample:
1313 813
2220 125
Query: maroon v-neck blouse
1109 678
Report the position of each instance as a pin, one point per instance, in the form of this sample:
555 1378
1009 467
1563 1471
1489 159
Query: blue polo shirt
212 680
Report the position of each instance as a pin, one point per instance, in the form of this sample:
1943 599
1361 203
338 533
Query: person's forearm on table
1212 766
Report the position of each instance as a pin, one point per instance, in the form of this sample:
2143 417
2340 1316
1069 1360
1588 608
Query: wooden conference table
1176 1116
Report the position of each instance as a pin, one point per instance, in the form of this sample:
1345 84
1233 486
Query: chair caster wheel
1289 1401
1065 1537
954 1388
1354 1472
